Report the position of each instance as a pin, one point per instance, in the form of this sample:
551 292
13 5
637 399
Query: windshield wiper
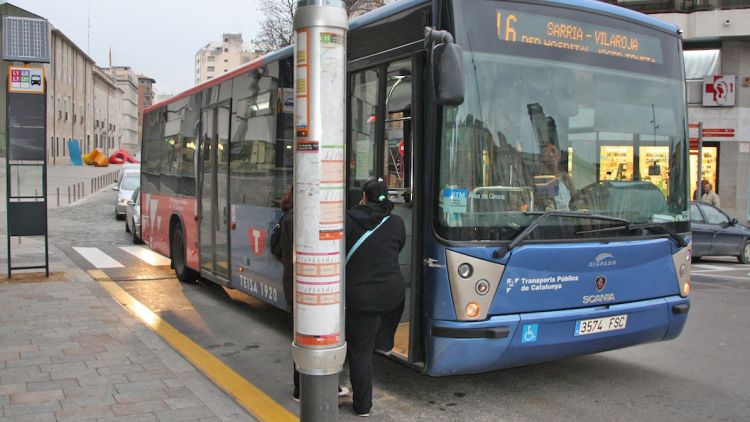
517 239
649 227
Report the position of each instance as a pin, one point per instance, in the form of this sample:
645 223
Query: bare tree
276 29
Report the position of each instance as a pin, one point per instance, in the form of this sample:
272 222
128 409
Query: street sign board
719 90
25 39
26 80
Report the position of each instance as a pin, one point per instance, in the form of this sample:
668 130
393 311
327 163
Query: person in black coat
374 286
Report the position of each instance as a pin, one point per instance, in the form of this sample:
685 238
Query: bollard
58 197
68 195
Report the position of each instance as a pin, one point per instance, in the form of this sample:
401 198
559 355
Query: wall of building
126 79
727 30
107 102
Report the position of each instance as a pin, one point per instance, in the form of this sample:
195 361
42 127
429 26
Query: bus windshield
563 112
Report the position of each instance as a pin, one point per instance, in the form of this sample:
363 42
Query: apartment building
217 58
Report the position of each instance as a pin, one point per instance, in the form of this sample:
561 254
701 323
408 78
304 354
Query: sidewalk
70 352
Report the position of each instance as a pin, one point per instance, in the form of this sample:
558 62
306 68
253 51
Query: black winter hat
376 191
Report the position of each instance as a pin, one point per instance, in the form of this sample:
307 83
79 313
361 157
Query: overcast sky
157 38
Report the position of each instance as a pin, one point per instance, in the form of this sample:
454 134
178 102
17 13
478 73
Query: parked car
133 216
715 233
130 181
127 167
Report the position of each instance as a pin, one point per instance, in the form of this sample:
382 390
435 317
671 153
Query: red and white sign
718 132
257 238
718 90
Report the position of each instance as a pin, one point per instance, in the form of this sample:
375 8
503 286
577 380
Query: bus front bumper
506 341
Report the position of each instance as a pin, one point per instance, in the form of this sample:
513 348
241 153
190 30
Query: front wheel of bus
184 274
744 256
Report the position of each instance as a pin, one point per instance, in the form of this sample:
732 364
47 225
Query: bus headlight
465 270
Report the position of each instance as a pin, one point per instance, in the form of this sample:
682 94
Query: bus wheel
184 274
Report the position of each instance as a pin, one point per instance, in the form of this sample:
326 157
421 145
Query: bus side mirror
447 67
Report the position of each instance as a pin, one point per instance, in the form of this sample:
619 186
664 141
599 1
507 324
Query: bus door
381 136
213 189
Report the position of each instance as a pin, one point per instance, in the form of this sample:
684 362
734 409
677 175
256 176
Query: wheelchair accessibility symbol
529 333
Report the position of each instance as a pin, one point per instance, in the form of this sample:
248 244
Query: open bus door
383 127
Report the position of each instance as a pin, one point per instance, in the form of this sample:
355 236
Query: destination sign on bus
553 32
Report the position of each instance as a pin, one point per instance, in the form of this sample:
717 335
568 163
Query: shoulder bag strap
363 238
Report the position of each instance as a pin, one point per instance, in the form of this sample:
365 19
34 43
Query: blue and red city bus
547 215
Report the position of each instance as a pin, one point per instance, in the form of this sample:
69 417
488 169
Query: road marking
146 255
97 258
250 397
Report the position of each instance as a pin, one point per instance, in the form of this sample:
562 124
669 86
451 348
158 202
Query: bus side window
398 136
363 109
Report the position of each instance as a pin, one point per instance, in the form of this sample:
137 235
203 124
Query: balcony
679 6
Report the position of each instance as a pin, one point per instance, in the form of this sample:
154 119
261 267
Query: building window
210 68
226 50
225 71
210 77
211 58
226 60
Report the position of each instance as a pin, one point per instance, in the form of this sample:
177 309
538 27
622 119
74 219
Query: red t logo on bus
257 238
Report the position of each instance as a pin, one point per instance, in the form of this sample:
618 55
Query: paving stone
18 378
28 362
179 392
84 413
30 409
12 388
88 400
181 415
139 407
121 369
182 402
154 385
35 397
165 376
52 385
103 363
37 417
97 379
136 396
145 417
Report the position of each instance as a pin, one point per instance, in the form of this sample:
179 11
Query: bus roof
402 5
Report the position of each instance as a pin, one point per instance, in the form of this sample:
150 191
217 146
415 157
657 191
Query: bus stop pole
319 347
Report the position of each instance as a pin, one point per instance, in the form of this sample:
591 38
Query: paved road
700 376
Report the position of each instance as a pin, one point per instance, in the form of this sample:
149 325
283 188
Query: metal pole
319 347
68 194
58 197
700 162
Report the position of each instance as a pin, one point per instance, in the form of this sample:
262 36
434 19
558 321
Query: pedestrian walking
374 286
709 196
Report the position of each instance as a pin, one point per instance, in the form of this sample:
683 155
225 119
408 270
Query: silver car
133 216
130 181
